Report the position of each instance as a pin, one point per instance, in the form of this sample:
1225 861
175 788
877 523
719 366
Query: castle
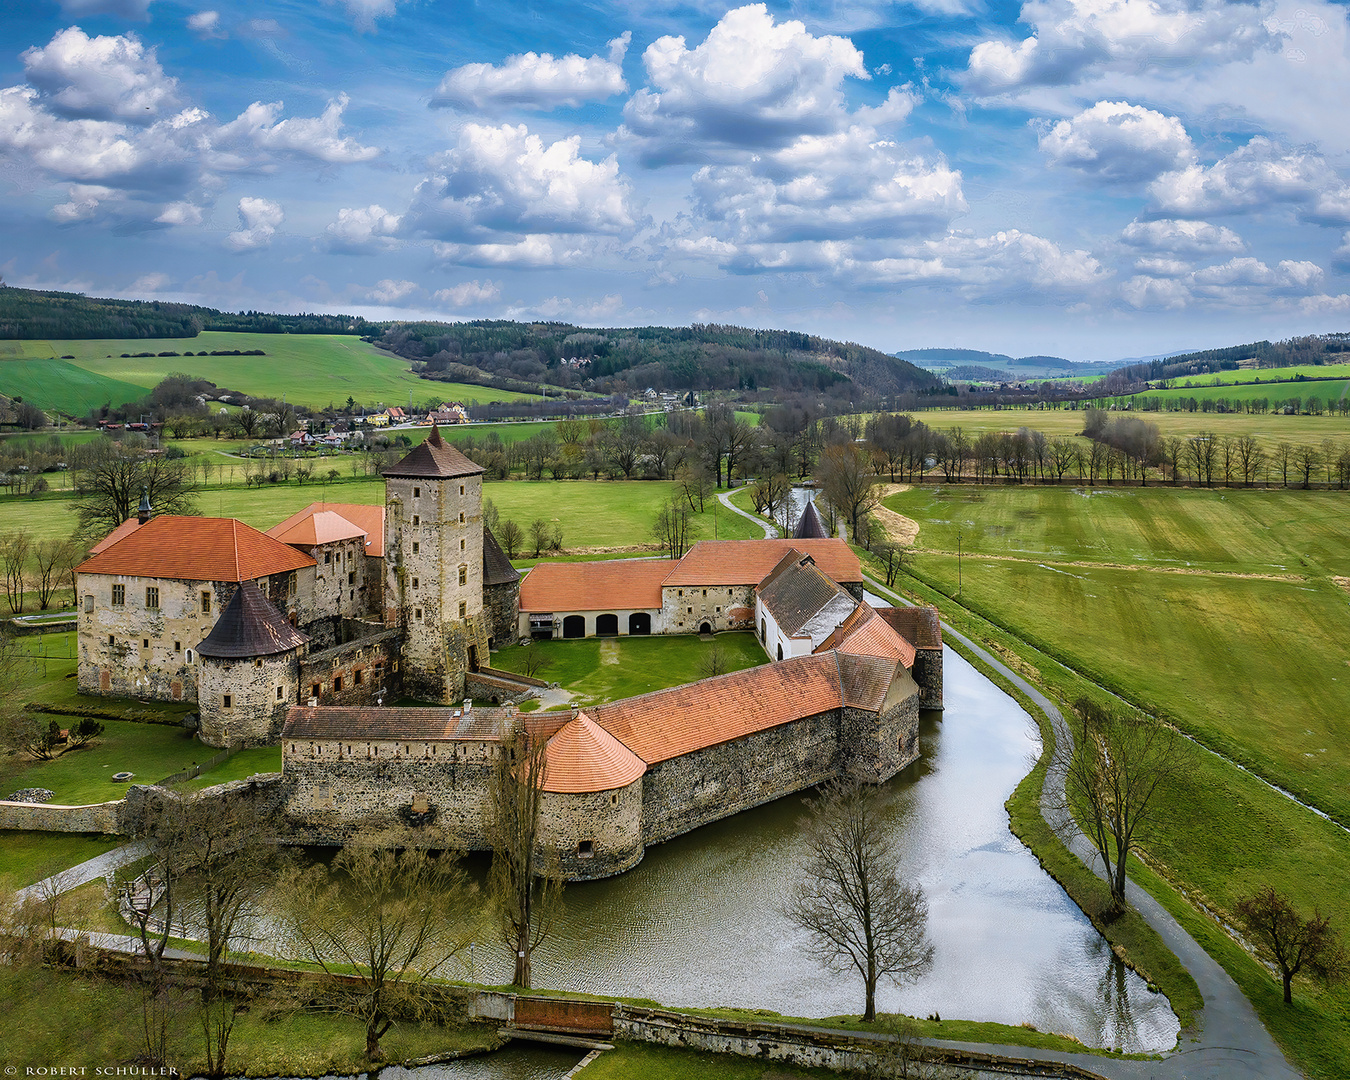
302 633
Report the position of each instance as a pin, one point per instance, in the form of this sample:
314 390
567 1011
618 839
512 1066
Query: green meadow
314 370
1328 391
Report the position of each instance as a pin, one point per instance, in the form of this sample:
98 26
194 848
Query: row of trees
1312 405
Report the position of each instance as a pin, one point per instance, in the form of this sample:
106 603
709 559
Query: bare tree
393 918
525 885
510 535
539 535
15 548
848 484
851 898
1291 942
52 556
1114 770
112 482
671 527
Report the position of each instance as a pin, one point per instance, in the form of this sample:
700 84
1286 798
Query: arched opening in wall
705 628
607 625
780 652
640 622
574 626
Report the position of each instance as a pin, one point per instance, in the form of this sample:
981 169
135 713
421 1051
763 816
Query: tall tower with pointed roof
434 567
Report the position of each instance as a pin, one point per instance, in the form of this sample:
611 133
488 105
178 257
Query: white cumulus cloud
535 81
390 291
259 218
205 24
470 293
1253 178
1118 141
752 83
363 230
1182 237
316 136
101 78
504 180
1073 39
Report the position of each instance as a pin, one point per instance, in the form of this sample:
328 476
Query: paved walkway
724 497
100 866
1227 1040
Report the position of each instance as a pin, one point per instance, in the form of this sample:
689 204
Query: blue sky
1088 178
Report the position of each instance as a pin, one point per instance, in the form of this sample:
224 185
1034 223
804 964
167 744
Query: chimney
143 511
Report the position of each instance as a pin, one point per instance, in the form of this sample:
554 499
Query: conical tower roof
250 626
497 568
582 756
809 526
434 459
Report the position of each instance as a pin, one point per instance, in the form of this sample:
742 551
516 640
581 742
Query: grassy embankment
314 370
1246 663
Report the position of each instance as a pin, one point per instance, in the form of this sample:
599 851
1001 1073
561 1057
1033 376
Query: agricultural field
1218 611
1269 430
59 385
1264 375
314 370
1328 392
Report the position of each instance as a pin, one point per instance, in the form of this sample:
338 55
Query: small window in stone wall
188 656
463 609
88 603
145 643
337 684
351 577
279 693
151 597
314 691
258 662
416 547
119 595
614 800
461 489
461 517
463 575
415 583
206 603
417 520
417 493
226 701
177 646
586 849
417 614
327 557
357 677
461 545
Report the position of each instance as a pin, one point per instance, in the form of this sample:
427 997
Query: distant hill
31 314
632 360
1013 368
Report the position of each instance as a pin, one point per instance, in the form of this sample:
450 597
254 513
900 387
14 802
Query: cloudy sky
1088 178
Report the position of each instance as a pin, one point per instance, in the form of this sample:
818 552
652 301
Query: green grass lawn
240 766
1274 392
57 1016
630 1060
27 857
61 386
314 370
1255 668
597 670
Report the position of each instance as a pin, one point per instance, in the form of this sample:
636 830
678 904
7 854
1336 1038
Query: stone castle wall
595 835
928 674
48 817
501 605
420 794
684 609
258 691
361 671
685 792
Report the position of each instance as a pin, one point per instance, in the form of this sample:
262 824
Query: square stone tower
433 556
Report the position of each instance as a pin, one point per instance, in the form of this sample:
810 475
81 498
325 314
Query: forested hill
1314 349
33 315
632 360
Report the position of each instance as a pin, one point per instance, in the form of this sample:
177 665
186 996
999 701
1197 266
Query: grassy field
1264 375
306 369
1268 429
1253 666
79 1022
27 857
606 669
60 385
1273 392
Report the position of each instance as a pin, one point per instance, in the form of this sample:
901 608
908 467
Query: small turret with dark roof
250 626
434 459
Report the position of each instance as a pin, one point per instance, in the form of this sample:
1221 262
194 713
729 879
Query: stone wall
684 609
418 794
873 747
47 817
928 674
501 604
244 701
595 834
133 649
361 671
685 792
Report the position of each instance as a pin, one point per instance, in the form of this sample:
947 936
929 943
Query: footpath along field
314 370
1219 610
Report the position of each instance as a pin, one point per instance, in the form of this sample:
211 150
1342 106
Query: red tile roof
614 585
583 756
324 522
746 562
866 680
866 633
392 724
668 723
196 549
120 533
919 624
